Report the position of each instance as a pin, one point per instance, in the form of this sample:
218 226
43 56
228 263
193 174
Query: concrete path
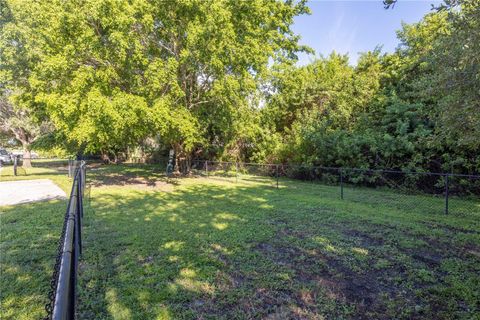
24 191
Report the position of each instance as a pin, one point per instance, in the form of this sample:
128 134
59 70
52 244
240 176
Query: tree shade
218 80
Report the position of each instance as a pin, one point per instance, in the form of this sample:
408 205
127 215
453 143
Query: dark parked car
5 157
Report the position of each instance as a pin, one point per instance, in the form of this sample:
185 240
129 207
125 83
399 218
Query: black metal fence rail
430 192
62 293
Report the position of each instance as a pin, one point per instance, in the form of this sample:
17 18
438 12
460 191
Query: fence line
340 168
62 293
433 184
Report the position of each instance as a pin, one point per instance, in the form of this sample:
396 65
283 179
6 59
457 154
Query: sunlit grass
228 249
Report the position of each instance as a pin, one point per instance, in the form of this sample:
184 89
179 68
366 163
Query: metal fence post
276 174
446 193
341 184
15 163
78 226
80 208
206 168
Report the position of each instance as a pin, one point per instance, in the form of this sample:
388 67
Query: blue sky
355 26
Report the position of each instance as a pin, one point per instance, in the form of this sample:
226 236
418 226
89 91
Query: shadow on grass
245 251
37 173
29 237
124 175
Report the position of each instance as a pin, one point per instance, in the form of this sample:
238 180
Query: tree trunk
188 164
177 149
105 158
27 156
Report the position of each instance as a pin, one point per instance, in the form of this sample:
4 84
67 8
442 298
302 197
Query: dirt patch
98 177
157 186
429 254
95 165
328 277
430 259
450 229
475 252
365 239
138 183
383 286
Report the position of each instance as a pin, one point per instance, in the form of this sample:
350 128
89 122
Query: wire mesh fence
36 166
237 171
421 191
62 294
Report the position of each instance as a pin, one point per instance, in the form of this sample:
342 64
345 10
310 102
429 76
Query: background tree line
218 80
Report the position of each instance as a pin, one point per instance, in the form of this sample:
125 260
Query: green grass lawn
28 240
197 248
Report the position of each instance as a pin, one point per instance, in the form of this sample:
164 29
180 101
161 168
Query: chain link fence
36 166
427 192
424 192
62 294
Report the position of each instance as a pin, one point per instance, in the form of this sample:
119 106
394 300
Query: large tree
21 117
21 124
415 109
455 75
110 73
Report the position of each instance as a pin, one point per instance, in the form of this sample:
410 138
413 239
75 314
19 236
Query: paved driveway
24 191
